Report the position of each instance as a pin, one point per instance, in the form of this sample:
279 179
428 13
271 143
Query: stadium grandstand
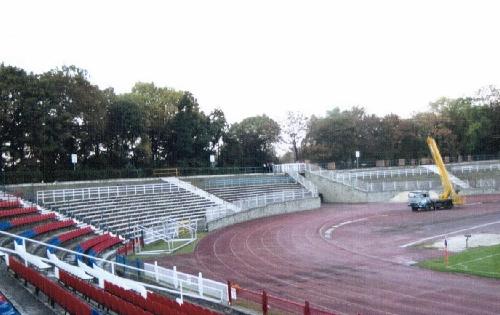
71 236
32 239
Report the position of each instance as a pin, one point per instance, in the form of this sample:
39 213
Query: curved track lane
348 258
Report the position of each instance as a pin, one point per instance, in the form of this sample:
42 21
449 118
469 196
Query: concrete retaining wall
336 192
266 211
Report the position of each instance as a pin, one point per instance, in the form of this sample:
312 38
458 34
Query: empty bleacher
474 175
247 187
121 209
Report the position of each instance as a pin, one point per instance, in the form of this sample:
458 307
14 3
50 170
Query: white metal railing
464 169
63 195
199 192
339 178
203 286
218 212
363 174
265 199
244 181
363 180
290 167
207 289
303 181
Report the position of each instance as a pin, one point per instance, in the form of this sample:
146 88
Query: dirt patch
458 243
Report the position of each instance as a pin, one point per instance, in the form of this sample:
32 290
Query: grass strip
481 261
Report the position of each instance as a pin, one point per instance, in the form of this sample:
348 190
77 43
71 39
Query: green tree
251 142
125 133
18 119
159 105
190 138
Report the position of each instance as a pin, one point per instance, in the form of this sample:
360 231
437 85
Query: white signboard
212 158
73 158
357 154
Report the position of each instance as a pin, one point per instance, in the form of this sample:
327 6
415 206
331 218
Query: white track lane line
328 233
446 234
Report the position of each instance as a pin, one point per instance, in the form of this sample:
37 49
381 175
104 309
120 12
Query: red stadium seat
17 211
65 299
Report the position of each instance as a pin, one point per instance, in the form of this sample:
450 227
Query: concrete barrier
337 192
266 211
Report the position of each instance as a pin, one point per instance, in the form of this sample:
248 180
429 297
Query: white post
181 300
156 271
200 284
113 268
176 280
23 244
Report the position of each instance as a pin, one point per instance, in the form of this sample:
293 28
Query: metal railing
290 167
203 286
357 182
183 286
463 169
221 211
343 175
269 198
63 195
307 184
245 181
199 192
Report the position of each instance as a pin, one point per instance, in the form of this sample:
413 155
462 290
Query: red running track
358 266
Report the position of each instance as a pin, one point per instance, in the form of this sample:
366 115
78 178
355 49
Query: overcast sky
255 57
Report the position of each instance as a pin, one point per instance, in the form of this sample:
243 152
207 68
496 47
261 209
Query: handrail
199 192
304 182
240 181
178 290
269 198
90 193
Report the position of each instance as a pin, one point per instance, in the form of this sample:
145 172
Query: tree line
45 118
462 126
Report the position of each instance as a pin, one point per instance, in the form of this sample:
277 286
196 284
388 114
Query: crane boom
448 190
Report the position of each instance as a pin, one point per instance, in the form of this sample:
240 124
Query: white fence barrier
204 287
245 181
218 212
364 180
184 285
263 200
62 195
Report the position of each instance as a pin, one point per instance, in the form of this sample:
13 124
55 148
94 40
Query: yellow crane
448 190
421 200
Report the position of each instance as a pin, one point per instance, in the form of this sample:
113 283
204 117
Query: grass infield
479 261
